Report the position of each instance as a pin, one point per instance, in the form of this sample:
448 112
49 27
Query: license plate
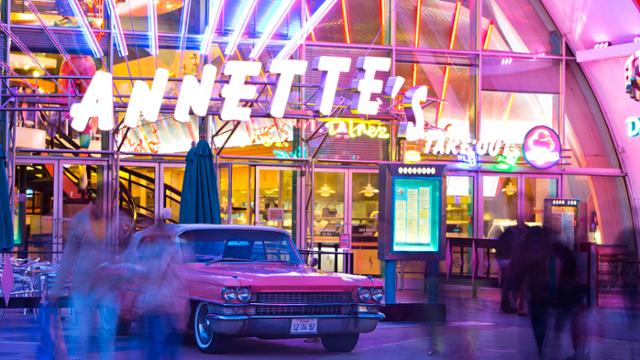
304 326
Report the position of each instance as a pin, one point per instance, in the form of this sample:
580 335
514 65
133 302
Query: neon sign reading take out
195 95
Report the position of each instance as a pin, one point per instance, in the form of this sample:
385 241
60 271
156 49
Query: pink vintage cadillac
251 281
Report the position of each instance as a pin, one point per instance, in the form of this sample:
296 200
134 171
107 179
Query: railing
343 257
617 269
481 267
471 247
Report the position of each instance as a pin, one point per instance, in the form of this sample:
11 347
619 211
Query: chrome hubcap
205 333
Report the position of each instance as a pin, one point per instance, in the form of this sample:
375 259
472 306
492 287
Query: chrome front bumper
280 326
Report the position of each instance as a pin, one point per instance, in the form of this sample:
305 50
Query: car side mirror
313 262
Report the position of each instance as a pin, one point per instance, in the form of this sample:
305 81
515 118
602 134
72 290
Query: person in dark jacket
508 243
570 299
529 265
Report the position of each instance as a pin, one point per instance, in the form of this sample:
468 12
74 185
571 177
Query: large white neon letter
195 95
366 84
286 70
237 90
415 115
146 101
394 84
331 67
97 101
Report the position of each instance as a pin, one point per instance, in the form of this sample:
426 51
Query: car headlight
377 294
244 294
364 294
229 294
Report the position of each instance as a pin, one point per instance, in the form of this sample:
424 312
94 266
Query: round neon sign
541 147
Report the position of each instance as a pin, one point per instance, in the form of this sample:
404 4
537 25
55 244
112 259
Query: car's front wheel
340 342
206 339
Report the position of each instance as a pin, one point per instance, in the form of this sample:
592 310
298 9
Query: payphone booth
411 222
566 218
562 216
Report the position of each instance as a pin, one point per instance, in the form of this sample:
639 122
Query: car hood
278 276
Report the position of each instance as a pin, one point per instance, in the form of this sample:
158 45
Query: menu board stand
412 227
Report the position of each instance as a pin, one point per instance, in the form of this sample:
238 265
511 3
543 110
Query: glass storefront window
329 206
605 208
519 26
536 189
39 206
364 223
459 206
358 22
139 184
453 83
34 211
81 183
510 115
500 204
223 180
37 128
275 195
173 177
444 24
59 13
243 180
586 133
134 15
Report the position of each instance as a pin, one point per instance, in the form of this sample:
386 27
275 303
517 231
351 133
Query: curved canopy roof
586 23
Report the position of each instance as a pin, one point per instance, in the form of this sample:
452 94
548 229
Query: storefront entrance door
274 197
46 196
507 198
138 184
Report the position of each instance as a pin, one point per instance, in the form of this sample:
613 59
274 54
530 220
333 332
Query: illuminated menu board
415 214
411 212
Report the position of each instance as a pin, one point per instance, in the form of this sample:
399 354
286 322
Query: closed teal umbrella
200 203
6 218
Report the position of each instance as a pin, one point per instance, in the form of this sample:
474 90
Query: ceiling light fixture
368 190
326 191
602 45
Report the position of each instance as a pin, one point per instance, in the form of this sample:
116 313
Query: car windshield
230 245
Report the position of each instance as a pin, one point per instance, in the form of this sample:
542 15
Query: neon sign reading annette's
195 95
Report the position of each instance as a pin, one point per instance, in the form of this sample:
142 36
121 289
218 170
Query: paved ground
475 330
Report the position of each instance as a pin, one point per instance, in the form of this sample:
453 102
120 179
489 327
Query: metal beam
612 51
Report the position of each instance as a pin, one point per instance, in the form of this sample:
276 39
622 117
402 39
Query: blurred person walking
570 300
86 260
162 301
508 244
630 276
529 266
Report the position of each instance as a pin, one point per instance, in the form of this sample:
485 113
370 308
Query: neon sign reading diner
354 128
196 95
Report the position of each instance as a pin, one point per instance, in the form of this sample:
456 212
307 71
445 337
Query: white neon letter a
97 101
146 101
195 95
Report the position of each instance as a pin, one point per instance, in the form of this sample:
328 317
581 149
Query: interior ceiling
584 23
